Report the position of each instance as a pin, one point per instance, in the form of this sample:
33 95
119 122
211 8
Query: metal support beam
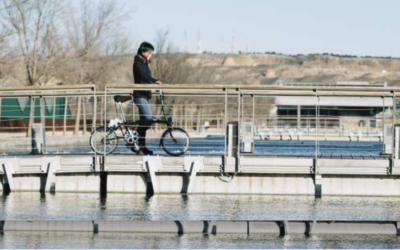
8 175
193 173
52 168
284 228
194 165
311 227
317 180
318 186
152 165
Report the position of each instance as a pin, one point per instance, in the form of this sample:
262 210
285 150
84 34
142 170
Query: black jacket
142 75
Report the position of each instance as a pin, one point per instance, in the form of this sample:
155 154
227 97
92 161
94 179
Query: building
341 112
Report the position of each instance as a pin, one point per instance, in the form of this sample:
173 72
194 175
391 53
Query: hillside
207 68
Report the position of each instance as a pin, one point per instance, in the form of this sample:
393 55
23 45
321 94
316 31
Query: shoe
147 151
133 148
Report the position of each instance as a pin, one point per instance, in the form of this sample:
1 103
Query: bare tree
97 30
162 43
4 47
173 67
31 22
4 34
94 32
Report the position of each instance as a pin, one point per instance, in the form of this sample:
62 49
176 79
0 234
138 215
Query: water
215 144
63 206
24 240
115 207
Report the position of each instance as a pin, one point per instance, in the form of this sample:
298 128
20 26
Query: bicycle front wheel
175 141
103 140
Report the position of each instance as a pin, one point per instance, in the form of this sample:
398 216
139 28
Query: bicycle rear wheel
103 140
175 141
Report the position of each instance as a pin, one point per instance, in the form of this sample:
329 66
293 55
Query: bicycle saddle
122 98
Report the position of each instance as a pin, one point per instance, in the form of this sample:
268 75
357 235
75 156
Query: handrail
249 87
261 90
54 94
44 88
49 91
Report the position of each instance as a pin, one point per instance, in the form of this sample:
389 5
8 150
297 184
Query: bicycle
104 139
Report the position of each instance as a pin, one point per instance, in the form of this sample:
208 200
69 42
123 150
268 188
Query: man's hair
144 47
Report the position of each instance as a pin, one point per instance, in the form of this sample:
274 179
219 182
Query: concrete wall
266 184
126 183
26 183
363 185
211 184
78 183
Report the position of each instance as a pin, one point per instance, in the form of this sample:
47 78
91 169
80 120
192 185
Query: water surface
217 145
65 206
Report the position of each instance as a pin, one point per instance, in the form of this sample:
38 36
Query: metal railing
64 113
314 126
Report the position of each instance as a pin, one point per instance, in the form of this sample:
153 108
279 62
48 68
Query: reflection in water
63 206
42 197
103 203
47 240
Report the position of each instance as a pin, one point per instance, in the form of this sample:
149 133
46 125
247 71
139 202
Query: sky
356 27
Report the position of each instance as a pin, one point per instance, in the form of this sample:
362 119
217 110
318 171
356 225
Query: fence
65 113
274 120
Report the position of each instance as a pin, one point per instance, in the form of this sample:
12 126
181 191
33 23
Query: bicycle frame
125 124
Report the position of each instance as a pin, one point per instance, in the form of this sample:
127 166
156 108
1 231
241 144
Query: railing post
383 118
394 126
78 116
0 111
84 116
395 162
105 126
253 119
94 125
226 120
317 174
43 122
298 117
54 115
31 116
65 116
240 117
396 142
94 121
316 123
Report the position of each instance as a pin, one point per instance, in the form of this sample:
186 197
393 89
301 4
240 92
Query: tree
32 23
4 34
172 67
162 43
96 28
93 31
47 32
